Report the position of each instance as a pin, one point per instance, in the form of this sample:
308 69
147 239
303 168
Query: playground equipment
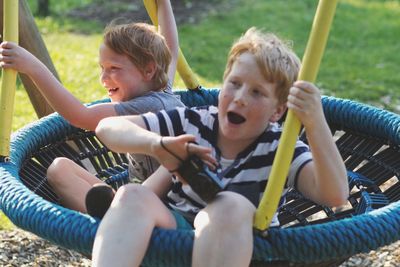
9 79
312 235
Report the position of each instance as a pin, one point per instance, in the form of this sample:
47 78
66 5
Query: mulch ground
21 248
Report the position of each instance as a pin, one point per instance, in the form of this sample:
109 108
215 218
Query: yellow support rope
9 78
184 70
308 72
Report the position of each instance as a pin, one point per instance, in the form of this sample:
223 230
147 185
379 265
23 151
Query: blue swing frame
372 221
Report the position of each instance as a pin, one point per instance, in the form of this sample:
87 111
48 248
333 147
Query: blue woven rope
364 118
307 244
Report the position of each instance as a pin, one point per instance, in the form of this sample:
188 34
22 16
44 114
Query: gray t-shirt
142 166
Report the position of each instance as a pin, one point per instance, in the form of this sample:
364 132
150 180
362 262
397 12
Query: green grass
5 224
361 61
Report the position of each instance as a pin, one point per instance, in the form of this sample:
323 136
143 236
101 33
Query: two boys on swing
236 140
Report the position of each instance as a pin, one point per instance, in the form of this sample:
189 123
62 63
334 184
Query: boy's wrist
317 128
36 68
156 147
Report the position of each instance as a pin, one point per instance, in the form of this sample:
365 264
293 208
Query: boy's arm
62 101
128 134
167 28
159 182
323 180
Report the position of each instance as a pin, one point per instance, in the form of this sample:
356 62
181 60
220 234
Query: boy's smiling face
122 79
247 103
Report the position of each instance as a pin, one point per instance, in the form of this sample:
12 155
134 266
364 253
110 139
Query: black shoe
98 200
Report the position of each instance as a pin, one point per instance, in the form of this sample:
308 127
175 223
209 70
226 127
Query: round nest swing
312 235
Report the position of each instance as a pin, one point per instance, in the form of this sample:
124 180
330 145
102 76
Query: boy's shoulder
150 102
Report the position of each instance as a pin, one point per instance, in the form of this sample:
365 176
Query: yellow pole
9 78
184 70
308 72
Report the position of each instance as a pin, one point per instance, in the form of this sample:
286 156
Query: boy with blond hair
238 141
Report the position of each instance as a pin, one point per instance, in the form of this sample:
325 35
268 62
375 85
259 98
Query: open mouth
235 118
112 90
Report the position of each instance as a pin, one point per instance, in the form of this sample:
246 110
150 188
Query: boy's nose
103 77
240 98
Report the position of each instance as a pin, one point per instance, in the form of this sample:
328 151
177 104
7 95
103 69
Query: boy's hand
305 101
182 146
13 56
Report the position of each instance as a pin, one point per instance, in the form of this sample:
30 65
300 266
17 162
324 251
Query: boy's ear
149 71
280 110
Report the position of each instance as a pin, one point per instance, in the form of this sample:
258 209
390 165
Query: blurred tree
43 8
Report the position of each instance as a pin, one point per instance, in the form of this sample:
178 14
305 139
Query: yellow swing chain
184 70
8 80
308 72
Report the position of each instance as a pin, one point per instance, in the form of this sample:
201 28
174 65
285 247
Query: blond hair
275 58
143 45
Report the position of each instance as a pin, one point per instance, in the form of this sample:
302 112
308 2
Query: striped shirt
247 174
142 166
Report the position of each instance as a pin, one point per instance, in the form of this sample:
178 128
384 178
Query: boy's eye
257 92
108 68
235 83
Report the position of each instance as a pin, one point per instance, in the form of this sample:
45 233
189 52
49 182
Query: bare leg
125 231
223 232
70 182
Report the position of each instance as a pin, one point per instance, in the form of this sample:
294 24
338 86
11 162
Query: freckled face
122 79
247 103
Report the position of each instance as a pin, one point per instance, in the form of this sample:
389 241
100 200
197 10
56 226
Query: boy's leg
70 182
223 232
124 233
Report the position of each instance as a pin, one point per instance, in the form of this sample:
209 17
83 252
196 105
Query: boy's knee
234 203
133 194
226 209
57 169
128 191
